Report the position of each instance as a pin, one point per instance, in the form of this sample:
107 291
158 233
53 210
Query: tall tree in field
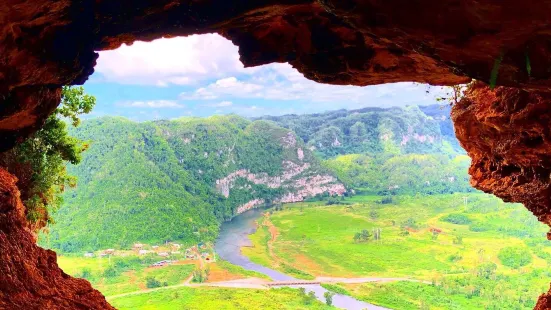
365 235
357 237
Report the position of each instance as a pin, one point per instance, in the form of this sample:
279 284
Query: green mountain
403 174
387 151
178 180
372 131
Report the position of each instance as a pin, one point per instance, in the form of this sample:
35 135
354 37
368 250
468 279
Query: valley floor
434 252
461 250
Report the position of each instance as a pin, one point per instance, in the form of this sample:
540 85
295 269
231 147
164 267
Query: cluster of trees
200 275
402 174
457 218
328 298
365 235
514 257
152 282
308 298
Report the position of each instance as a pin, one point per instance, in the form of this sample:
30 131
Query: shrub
410 222
373 214
457 240
455 257
457 218
335 289
515 257
328 298
86 273
387 200
478 227
110 272
151 282
486 270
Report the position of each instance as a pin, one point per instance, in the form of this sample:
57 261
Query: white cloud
221 104
209 66
281 82
152 104
180 61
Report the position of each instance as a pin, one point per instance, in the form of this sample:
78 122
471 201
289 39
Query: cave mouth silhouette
502 122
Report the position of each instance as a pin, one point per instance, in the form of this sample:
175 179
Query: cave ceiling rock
50 43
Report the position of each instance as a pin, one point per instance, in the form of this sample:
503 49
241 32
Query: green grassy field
218 298
124 274
125 288
466 260
470 263
129 274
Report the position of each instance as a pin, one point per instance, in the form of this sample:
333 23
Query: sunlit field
465 249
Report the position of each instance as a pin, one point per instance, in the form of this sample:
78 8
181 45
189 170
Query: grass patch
128 274
238 270
218 298
448 243
335 288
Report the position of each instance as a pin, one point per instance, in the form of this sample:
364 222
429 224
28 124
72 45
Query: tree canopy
39 162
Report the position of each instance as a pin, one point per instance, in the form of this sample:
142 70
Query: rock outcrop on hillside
50 43
29 275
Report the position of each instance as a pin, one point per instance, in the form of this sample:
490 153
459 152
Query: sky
201 75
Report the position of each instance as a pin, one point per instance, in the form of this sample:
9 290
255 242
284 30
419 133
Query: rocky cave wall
29 275
50 43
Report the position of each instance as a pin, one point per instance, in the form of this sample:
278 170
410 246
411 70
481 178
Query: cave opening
49 44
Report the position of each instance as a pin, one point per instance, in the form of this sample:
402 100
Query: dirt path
366 280
253 283
273 234
256 283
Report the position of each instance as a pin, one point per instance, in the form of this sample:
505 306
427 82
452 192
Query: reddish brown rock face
507 134
29 275
49 43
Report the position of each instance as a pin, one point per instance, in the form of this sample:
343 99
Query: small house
137 246
88 254
163 254
109 251
435 230
143 252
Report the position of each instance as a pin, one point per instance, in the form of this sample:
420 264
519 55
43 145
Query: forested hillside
387 151
178 180
374 131
403 174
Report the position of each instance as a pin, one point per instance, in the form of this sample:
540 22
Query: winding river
235 234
